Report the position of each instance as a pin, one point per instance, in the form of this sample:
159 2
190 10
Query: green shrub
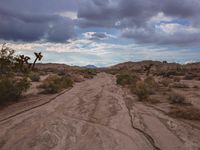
34 76
141 90
127 79
11 89
55 84
89 73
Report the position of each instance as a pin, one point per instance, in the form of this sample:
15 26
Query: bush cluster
89 73
11 88
127 79
34 76
176 98
54 84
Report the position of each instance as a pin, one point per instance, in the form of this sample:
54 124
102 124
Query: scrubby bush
179 85
55 84
177 79
34 76
11 88
151 84
176 98
127 79
190 76
196 86
141 90
187 112
89 73
166 81
61 72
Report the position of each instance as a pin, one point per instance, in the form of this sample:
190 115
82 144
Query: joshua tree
6 58
21 59
38 57
148 69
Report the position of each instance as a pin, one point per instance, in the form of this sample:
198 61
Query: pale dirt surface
97 115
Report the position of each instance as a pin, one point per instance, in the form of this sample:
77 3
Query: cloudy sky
103 32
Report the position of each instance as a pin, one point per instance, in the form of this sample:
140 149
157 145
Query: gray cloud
133 18
97 35
28 20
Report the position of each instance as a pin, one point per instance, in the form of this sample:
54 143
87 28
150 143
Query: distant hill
89 66
157 65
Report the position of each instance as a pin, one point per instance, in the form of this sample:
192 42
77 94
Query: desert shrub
176 98
166 81
112 71
61 72
11 88
187 112
34 76
179 85
89 73
127 79
151 84
141 90
196 86
168 73
190 76
55 84
7 59
177 79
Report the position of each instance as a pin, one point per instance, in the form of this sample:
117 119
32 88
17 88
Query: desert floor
95 114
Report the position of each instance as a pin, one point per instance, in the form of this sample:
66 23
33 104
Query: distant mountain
89 66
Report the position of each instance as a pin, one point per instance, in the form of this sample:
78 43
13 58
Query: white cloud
69 14
83 52
173 28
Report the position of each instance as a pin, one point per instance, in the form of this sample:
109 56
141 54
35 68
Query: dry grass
151 85
176 79
179 85
166 82
186 112
176 98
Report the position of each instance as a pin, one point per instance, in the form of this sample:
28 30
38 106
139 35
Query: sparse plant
196 86
166 81
89 73
38 56
127 79
141 90
179 85
147 69
34 76
176 98
6 59
186 112
177 79
190 76
11 88
55 84
151 84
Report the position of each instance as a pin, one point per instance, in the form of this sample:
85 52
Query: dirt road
96 115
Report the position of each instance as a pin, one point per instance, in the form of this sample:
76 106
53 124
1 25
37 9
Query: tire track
34 107
146 135
102 125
